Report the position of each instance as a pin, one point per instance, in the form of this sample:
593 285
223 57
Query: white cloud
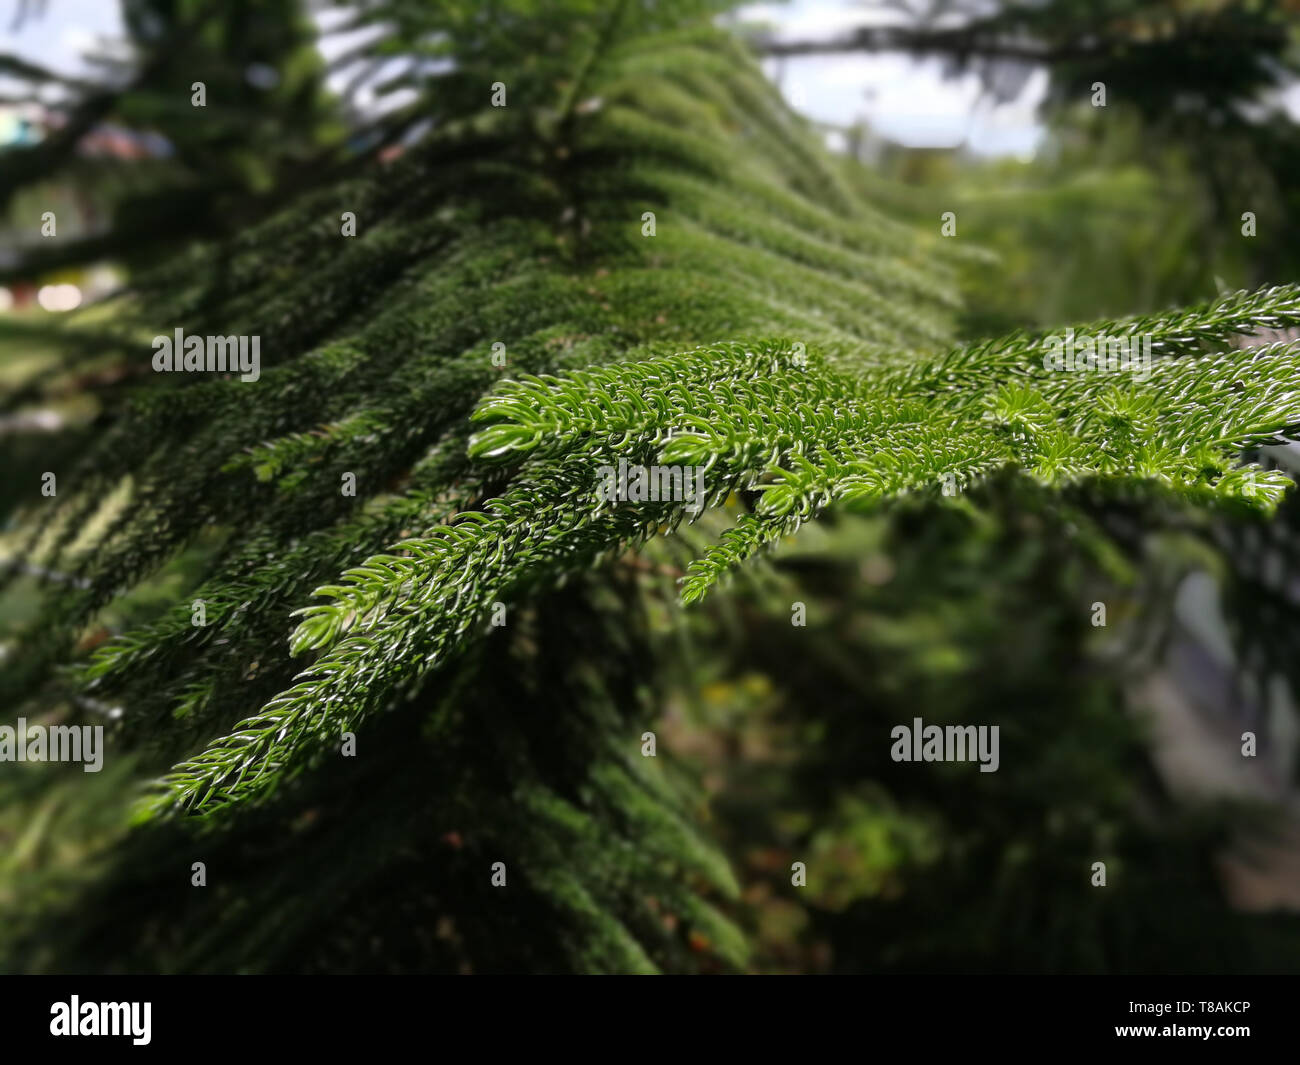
902 98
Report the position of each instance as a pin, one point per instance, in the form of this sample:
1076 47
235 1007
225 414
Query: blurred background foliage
973 610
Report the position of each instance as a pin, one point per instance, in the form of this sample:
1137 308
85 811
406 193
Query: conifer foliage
613 242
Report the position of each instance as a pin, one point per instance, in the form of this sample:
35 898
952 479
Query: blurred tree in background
267 126
1191 131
